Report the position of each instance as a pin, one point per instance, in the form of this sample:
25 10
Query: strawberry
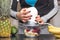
34 31
27 30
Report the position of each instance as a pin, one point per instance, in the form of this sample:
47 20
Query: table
23 37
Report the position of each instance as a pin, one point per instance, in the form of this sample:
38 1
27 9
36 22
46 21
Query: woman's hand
24 15
39 20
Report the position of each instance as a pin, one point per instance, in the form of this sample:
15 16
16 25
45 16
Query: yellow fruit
50 27
53 27
5 38
4 18
5 27
58 36
54 30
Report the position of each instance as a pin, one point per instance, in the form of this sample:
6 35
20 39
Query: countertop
22 37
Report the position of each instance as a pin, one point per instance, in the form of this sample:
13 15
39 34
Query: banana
56 35
53 27
54 30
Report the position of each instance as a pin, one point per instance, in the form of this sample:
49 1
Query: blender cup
32 30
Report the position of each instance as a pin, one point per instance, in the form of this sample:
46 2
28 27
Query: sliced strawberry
35 31
27 30
38 29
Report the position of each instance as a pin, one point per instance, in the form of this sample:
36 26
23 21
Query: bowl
32 30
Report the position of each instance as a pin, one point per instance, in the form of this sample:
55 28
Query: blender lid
31 24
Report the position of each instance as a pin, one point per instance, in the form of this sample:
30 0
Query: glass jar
31 30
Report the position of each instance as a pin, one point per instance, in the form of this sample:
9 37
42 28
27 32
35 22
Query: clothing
45 11
42 6
46 8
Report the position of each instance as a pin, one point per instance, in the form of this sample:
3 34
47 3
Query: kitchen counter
22 37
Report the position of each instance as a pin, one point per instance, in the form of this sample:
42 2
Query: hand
24 15
39 20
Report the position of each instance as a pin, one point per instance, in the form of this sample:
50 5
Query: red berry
34 30
27 30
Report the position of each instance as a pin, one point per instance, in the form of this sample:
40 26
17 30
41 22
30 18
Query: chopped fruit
27 30
5 27
34 31
31 33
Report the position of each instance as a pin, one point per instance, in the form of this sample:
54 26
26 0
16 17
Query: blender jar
31 30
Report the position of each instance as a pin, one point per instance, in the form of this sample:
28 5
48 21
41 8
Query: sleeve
51 13
13 14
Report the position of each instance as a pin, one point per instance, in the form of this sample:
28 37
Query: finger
41 22
27 16
38 16
25 11
38 19
24 21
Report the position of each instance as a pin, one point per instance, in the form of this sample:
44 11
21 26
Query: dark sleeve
14 9
14 5
53 8
45 7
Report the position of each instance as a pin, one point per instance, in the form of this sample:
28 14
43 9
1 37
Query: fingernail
35 20
29 18
36 17
31 15
29 11
39 21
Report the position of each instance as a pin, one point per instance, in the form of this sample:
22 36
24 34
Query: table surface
22 37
